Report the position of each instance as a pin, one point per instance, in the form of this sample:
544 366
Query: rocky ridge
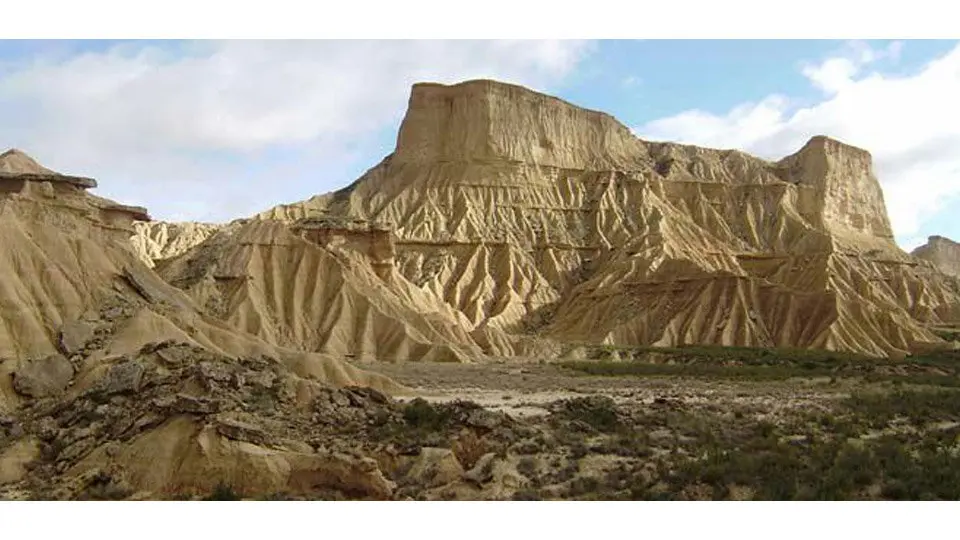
506 223
533 217
89 336
155 241
942 252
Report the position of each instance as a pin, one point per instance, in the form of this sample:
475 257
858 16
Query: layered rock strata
532 216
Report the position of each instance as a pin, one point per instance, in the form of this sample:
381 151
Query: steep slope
86 328
942 252
14 161
156 240
66 258
532 216
320 286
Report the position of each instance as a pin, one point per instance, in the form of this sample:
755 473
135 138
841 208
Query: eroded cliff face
326 286
108 371
155 241
492 121
942 252
848 200
16 162
533 217
67 261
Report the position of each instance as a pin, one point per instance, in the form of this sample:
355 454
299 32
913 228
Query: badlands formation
508 223
164 359
104 366
942 252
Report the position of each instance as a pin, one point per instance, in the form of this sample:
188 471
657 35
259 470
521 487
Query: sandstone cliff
326 286
155 241
531 216
16 162
85 325
506 223
942 252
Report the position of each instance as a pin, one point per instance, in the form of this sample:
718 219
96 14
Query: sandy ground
525 391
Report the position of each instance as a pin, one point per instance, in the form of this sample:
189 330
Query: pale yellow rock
489 120
942 252
13 459
75 335
321 288
157 240
182 457
435 467
68 258
43 377
533 217
14 161
506 223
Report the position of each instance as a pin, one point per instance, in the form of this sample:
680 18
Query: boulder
174 355
435 467
238 430
484 419
43 377
122 378
482 471
351 475
497 477
75 335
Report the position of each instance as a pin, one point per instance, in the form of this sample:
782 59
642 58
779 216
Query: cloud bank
211 130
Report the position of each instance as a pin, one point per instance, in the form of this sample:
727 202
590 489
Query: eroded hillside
942 252
508 227
533 217
108 371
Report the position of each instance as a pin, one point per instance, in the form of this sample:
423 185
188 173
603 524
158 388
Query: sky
215 130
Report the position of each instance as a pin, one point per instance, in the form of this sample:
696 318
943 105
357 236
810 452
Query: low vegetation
897 438
763 364
887 445
223 492
948 334
421 415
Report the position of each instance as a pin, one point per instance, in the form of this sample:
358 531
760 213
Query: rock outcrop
322 286
17 168
155 241
942 252
506 223
85 326
15 162
533 217
67 264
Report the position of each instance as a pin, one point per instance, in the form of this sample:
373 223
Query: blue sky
677 75
217 130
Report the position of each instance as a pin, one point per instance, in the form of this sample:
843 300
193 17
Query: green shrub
916 405
761 364
420 414
223 492
598 412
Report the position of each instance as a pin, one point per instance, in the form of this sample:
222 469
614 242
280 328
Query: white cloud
911 125
836 73
833 75
151 118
